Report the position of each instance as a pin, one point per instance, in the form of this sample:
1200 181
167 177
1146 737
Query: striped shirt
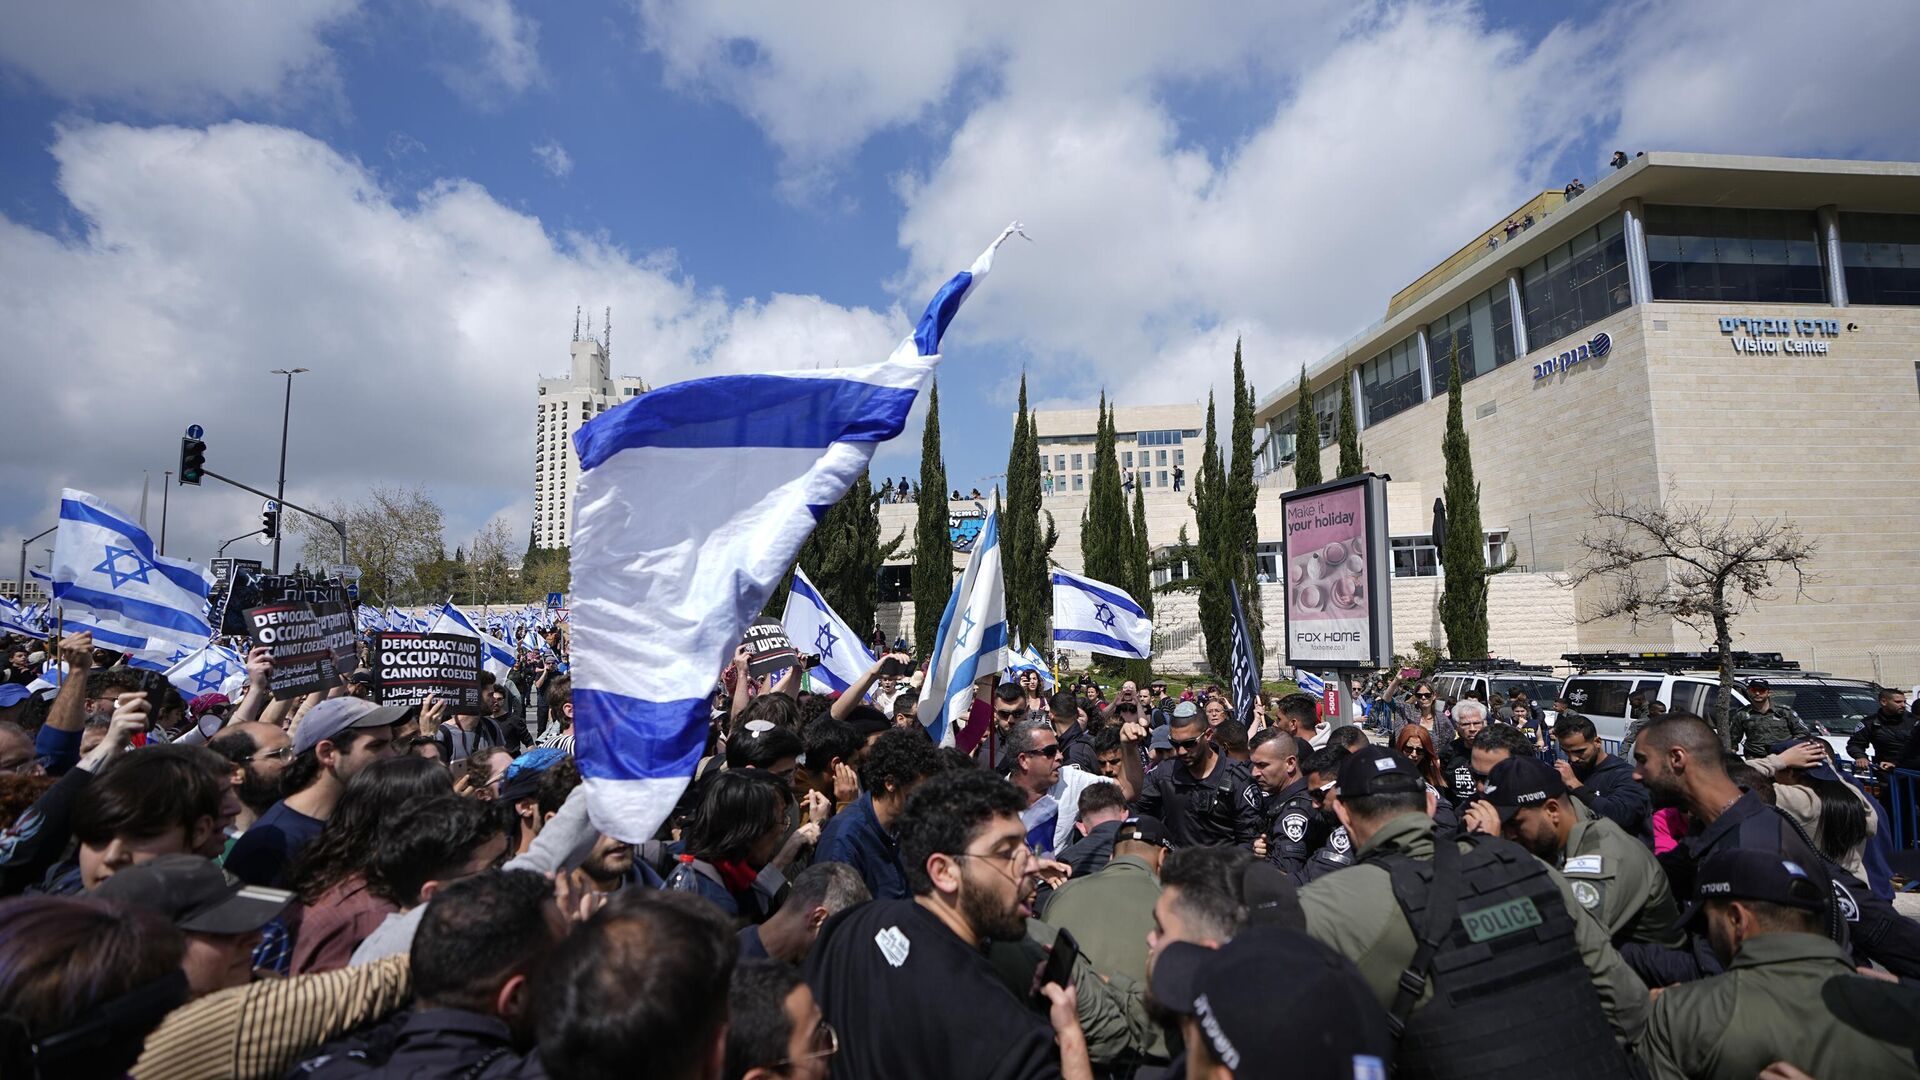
263 1028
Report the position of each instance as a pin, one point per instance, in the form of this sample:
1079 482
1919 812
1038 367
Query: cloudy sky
411 197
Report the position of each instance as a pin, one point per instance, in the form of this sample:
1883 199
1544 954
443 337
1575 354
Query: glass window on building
1326 411
1268 556
1060 463
1146 479
1163 479
1078 479
1126 459
1390 382
1576 284
1415 556
1729 254
1179 457
1880 254
1078 462
1159 457
1483 326
1281 438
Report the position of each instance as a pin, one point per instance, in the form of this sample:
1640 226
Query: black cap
1747 874
363 677
1142 829
197 895
1376 770
1521 782
1335 1028
1759 684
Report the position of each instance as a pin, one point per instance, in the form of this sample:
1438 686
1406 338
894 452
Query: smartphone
1061 961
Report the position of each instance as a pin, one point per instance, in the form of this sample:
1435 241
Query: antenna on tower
576 322
606 329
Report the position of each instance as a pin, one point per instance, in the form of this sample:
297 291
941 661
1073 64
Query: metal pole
20 579
223 547
166 485
286 414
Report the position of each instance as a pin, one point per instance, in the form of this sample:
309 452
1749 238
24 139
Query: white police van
1605 685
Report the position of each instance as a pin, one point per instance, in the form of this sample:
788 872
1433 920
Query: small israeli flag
747 464
207 671
15 621
1028 659
108 579
815 628
1099 616
496 657
161 655
972 640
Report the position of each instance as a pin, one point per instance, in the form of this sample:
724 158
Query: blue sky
411 196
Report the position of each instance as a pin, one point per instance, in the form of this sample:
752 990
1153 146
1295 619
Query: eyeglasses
1010 714
1423 696
826 1043
1187 744
1050 750
269 755
1011 858
1414 750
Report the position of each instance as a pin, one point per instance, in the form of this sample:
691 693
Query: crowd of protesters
1114 881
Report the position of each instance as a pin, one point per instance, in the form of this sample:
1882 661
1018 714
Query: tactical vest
1507 951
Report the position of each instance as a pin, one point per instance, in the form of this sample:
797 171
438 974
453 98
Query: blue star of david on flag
117 577
209 678
1103 615
825 640
966 626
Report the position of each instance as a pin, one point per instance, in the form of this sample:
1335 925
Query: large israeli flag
1100 617
816 628
107 579
496 656
693 501
207 671
972 640
13 620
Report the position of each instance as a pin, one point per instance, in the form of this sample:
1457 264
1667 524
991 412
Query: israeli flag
534 643
495 657
371 619
693 501
161 655
15 621
972 640
814 627
108 579
1099 616
207 671
1027 659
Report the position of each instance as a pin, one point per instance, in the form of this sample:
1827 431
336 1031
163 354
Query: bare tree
393 536
1692 563
490 561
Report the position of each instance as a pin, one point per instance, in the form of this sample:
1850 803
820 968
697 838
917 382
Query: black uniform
1456 768
1888 739
1217 810
1290 817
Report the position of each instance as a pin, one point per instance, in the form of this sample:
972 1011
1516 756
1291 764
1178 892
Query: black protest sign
409 668
302 660
233 593
768 648
338 630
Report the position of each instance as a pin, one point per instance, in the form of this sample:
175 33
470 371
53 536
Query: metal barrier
1903 806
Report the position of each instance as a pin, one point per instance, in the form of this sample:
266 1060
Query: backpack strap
1443 900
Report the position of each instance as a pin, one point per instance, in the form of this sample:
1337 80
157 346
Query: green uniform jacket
1618 881
1109 913
1758 731
1766 1008
1354 913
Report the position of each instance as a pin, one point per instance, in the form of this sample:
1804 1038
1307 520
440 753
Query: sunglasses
1010 714
1424 697
1052 750
1187 744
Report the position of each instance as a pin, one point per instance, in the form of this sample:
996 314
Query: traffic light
193 461
270 523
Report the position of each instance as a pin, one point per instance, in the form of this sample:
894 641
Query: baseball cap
196 895
1185 709
1336 1027
1759 684
362 677
13 694
1748 874
1520 782
335 715
1376 770
1142 829
1160 738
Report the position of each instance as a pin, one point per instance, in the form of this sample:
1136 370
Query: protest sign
409 668
232 578
768 647
302 661
338 630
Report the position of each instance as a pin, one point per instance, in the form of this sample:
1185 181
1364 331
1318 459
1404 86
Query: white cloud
510 49
554 158
164 57
210 256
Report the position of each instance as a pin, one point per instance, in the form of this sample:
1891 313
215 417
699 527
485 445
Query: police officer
1680 760
1203 796
1753 728
1766 917
1285 804
1110 912
1420 920
1613 876
1331 845
1886 732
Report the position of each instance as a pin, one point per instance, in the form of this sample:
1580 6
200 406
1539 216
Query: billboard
1339 612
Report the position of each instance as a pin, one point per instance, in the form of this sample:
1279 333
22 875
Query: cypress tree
1463 594
1352 461
1106 532
932 547
1140 584
1024 543
1306 426
1243 499
1211 571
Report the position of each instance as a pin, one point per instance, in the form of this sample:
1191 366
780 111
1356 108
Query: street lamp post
20 582
281 491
